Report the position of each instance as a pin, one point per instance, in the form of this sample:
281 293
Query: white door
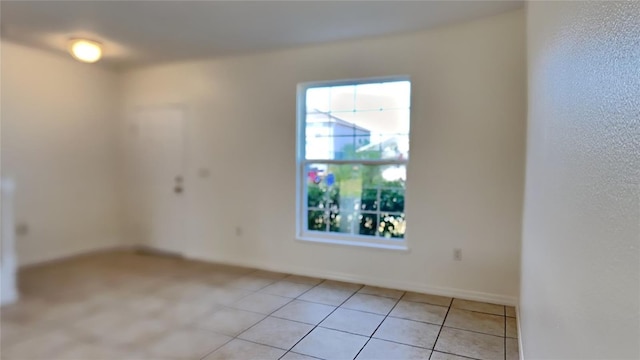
157 196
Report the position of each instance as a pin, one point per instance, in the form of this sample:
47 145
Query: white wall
580 291
60 145
467 155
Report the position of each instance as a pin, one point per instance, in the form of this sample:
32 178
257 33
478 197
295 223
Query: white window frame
302 234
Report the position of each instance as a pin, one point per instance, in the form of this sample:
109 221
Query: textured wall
580 260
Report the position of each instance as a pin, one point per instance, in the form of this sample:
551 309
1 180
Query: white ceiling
145 32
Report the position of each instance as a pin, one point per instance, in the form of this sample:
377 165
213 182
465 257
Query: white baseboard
366 280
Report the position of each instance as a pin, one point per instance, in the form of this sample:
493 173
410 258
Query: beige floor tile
427 298
206 300
146 304
385 350
276 332
443 356
327 296
475 321
111 298
229 321
408 332
295 356
39 347
512 328
478 306
102 323
68 311
225 295
261 303
221 278
341 285
187 343
286 289
419 312
374 290
471 344
87 351
243 350
330 344
182 291
25 312
512 349
303 279
187 312
370 303
251 282
356 322
510 311
304 311
136 332
11 333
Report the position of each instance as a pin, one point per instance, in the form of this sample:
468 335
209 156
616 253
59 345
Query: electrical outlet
238 230
457 254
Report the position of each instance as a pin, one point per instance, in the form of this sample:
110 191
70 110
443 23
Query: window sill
357 243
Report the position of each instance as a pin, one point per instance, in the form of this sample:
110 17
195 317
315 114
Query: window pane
318 99
367 121
342 98
341 222
317 220
368 224
392 225
392 121
392 200
347 197
316 196
389 95
369 200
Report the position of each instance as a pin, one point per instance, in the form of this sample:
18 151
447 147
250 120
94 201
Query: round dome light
85 50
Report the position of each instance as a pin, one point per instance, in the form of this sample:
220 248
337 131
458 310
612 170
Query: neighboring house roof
333 119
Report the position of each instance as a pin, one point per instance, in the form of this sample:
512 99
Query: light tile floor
133 306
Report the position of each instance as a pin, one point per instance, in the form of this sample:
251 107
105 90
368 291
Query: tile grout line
466 330
505 333
462 356
440 330
270 315
267 315
323 319
377 327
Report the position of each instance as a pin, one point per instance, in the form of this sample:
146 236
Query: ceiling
145 32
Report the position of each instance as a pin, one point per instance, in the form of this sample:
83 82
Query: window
353 150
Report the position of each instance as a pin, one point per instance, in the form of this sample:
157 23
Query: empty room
435 180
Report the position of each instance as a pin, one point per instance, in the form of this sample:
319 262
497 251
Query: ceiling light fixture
85 50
